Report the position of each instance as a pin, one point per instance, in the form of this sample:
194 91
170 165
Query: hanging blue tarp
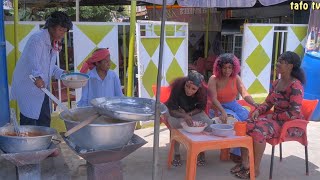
4 94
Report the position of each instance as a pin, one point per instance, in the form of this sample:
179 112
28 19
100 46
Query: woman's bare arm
244 93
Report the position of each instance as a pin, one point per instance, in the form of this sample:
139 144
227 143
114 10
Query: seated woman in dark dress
187 102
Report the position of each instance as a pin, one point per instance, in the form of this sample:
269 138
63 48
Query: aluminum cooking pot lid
128 108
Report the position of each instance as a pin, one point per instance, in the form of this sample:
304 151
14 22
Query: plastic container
230 120
240 128
193 129
311 67
222 130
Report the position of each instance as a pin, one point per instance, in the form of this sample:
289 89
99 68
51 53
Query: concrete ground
138 165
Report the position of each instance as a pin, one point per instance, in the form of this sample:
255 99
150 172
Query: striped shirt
96 87
39 59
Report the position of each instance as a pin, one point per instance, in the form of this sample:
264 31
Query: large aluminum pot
102 133
36 138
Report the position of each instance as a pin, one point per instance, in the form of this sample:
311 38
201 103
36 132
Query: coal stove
105 164
28 163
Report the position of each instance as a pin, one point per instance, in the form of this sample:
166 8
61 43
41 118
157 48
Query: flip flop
176 161
201 159
243 174
201 162
236 168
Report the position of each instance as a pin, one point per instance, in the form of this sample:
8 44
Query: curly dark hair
58 18
177 87
294 59
226 58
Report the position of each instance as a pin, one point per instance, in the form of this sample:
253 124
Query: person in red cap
103 82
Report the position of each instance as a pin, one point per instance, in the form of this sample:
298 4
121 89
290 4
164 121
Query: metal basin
102 133
38 138
128 108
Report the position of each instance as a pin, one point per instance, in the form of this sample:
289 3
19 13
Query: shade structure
217 3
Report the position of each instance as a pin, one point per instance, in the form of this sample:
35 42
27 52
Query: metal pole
155 170
77 10
4 94
131 48
154 13
15 36
66 55
124 52
206 47
59 81
15 27
276 57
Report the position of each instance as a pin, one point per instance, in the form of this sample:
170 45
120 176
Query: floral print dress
287 106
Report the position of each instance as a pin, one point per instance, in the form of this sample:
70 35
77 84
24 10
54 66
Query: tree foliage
87 13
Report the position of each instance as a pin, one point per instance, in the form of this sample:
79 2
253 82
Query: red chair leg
271 164
280 151
306 158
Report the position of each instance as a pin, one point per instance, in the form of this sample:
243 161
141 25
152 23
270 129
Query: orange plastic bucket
240 128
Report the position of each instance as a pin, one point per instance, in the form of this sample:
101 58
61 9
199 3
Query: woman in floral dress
285 97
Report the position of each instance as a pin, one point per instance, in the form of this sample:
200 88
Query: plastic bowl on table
230 120
222 129
74 80
198 127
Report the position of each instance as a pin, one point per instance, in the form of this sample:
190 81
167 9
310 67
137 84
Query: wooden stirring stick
81 125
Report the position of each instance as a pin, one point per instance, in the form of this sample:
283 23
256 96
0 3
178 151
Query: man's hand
66 72
39 82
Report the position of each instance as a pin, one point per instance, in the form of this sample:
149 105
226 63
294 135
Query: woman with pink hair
224 86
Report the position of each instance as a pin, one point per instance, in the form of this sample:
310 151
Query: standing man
39 59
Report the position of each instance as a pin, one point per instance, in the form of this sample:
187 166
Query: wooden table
196 143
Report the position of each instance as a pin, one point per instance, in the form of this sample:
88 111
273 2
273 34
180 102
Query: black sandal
243 174
176 160
236 168
201 160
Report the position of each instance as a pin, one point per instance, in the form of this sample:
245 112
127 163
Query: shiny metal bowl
128 108
102 133
15 144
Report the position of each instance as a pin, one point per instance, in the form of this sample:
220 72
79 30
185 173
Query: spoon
63 107
16 126
57 101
